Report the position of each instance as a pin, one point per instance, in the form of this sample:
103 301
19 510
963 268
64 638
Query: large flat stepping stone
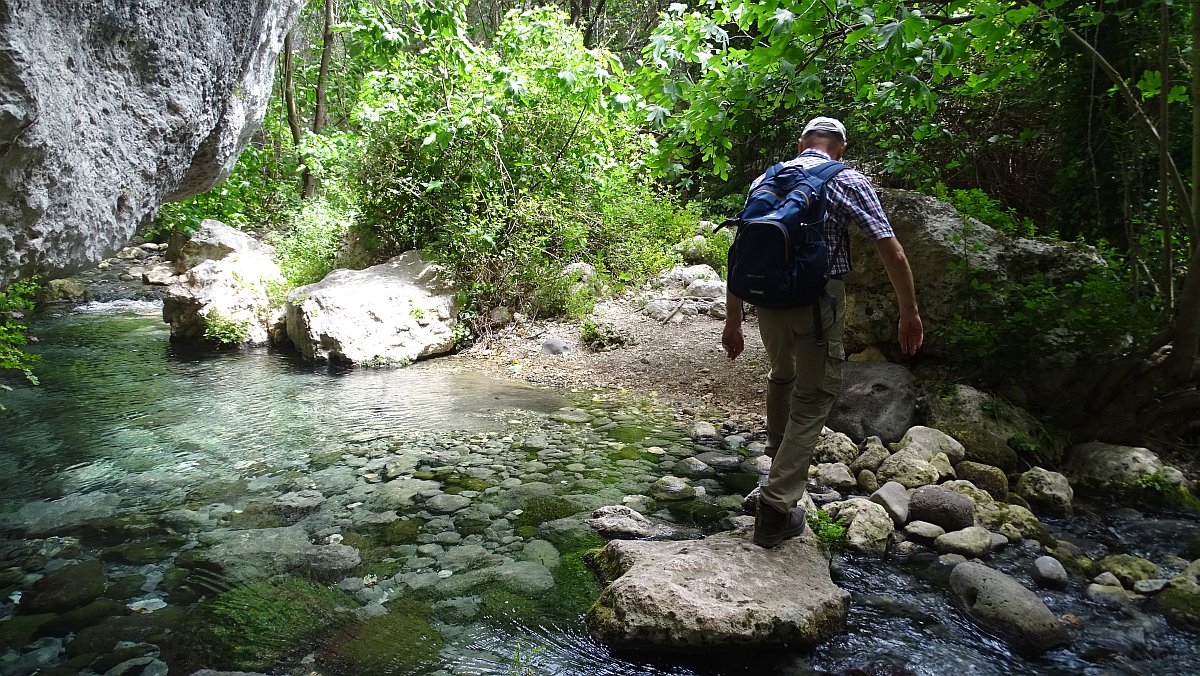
722 591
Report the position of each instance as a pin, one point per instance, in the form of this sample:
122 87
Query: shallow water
475 552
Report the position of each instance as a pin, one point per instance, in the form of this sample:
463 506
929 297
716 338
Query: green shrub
225 331
977 204
308 249
523 160
15 299
601 336
826 528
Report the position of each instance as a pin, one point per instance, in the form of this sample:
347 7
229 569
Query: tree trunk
1164 155
289 92
320 114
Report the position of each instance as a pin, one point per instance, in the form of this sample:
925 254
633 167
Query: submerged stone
1002 606
65 589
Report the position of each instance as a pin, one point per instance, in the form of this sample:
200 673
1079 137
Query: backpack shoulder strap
824 172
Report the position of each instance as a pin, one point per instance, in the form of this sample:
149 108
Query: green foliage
826 528
510 162
225 331
308 249
254 626
254 195
975 203
15 299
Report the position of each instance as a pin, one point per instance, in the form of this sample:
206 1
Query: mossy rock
400 531
1128 568
19 631
123 588
220 490
120 528
740 483
65 589
696 512
254 626
575 588
76 620
400 642
502 607
627 453
102 638
626 435
1180 608
256 515
457 483
541 509
145 551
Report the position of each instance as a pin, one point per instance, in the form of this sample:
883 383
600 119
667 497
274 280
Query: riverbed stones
719 592
837 476
1046 491
1128 569
445 503
244 555
986 477
63 514
621 521
1002 606
894 499
924 530
908 468
672 488
870 529
925 441
941 506
834 447
972 542
1049 573
67 588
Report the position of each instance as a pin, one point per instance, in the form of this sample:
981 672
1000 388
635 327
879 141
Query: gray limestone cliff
108 108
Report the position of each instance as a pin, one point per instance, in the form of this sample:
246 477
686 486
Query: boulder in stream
719 592
1002 606
388 314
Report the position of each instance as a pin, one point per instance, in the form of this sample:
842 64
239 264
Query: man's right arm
910 332
731 336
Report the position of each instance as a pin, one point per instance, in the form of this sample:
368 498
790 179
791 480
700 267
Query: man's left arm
910 332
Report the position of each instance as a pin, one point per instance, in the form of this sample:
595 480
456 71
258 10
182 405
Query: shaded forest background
511 140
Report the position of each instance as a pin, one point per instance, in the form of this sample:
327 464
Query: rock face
1002 606
392 313
718 592
877 399
110 108
227 277
935 236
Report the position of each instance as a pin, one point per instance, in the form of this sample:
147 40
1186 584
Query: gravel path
679 365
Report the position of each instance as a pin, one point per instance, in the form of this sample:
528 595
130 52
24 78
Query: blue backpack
779 258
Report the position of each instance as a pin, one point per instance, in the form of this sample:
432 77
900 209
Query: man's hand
911 333
733 340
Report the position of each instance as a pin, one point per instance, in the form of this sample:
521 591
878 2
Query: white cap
825 124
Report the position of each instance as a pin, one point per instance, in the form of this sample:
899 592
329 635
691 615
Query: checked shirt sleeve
852 199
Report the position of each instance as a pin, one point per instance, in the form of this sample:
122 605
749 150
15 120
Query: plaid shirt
852 199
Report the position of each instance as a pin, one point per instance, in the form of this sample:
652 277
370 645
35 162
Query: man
806 377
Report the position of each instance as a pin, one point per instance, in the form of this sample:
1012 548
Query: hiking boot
772 526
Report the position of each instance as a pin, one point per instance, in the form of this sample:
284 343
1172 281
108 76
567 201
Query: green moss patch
254 626
696 512
539 510
1180 607
626 435
575 588
400 642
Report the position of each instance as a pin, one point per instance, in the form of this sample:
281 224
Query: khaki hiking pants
804 380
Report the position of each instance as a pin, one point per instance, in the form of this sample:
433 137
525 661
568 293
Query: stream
166 510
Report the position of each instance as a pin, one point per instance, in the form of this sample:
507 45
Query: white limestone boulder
388 314
719 592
